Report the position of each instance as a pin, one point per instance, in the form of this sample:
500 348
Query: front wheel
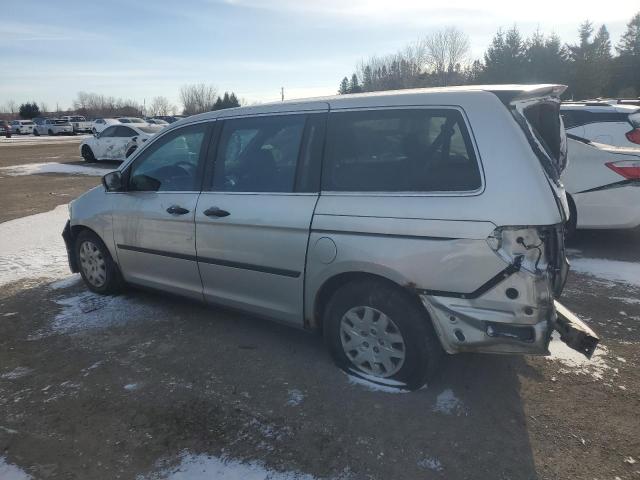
380 332
36 132
51 132
98 270
87 154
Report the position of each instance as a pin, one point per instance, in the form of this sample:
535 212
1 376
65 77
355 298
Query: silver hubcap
372 341
93 264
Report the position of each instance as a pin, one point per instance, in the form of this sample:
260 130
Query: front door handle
216 212
177 210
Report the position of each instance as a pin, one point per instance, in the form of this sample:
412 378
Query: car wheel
97 268
94 131
380 332
50 132
36 132
87 154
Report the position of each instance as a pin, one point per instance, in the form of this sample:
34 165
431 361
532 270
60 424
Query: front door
153 220
252 225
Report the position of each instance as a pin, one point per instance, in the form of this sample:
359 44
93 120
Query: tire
94 131
408 334
98 270
87 154
50 132
36 132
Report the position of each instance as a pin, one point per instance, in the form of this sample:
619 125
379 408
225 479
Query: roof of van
506 93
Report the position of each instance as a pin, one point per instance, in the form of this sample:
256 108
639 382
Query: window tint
418 150
171 164
259 154
108 132
125 132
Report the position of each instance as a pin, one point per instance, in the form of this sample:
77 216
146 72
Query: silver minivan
400 224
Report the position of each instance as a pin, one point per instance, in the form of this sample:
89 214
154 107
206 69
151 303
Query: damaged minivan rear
401 225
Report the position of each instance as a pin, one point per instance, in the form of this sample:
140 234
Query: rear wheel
36 132
99 272
51 132
381 333
87 154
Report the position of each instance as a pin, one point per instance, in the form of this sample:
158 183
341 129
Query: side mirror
113 181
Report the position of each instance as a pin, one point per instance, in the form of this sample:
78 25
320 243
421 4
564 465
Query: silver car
402 225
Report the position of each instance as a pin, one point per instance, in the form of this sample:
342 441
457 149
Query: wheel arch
334 283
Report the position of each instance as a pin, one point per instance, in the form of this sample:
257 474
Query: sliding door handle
177 210
216 212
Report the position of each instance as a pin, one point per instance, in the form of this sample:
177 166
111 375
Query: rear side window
412 150
259 154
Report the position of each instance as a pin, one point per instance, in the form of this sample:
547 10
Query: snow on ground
32 247
88 310
53 167
70 281
295 397
430 463
17 372
612 270
448 404
12 472
205 467
41 140
577 362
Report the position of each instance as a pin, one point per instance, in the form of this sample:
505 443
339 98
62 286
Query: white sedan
602 184
114 141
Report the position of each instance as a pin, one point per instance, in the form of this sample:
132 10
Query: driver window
170 165
259 154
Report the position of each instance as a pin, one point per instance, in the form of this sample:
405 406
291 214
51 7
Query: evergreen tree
218 104
367 80
354 85
545 59
505 59
590 63
29 110
233 100
627 65
344 86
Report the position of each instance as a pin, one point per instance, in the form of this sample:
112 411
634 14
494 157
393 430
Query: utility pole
282 93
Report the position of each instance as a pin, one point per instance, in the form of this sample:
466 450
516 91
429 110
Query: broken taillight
634 135
629 169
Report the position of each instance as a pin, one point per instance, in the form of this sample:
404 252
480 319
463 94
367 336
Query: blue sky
50 50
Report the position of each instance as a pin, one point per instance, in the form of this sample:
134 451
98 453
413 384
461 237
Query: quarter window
259 154
125 132
413 150
171 163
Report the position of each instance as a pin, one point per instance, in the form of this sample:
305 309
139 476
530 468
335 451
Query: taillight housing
629 169
634 135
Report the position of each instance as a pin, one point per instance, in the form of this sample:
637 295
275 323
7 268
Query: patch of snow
376 384
32 247
9 314
88 310
70 281
613 270
577 362
16 140
53 167
448 404
130 387
205 467
431 464
17 372
631 301
295 397
8 430
12 472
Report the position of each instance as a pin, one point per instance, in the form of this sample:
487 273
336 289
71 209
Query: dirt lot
143 386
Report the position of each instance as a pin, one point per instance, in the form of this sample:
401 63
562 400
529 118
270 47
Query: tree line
197 98
591 67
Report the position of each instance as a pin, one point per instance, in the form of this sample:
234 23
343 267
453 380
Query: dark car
5 129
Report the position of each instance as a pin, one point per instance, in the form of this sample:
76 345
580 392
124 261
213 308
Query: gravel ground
143 386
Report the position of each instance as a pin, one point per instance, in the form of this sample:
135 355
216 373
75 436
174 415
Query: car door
103 144
253 216
121 138
153 220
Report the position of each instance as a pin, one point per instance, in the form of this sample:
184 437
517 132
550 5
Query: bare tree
446 52
11 107
160 106
198 98
43 108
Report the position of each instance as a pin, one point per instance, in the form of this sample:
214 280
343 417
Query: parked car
399 224
170 118
5 128
600 122
603 185
79 123
99 124
53 126
21 126
156 121
114 142
136 120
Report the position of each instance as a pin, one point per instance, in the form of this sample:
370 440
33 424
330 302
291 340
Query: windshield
61 122
137 120
148 129
77 119
124 120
